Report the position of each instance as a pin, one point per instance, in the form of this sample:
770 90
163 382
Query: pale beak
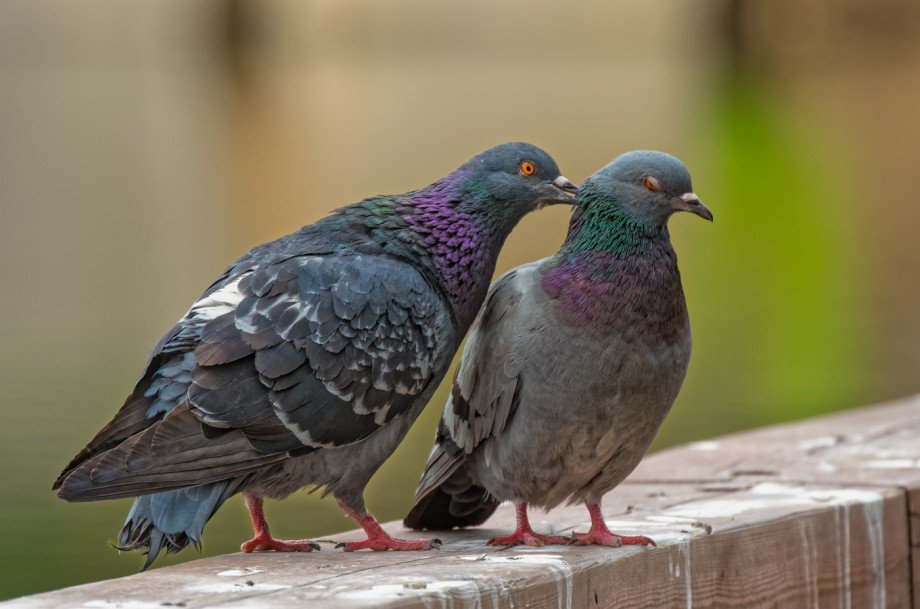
558 191
690 202
563 183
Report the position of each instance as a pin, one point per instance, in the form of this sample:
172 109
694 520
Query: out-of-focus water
144 147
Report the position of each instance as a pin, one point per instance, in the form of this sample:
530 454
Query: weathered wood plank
913 518
823 513
877 445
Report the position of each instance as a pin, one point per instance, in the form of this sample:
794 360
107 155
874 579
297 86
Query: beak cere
563 183
689 201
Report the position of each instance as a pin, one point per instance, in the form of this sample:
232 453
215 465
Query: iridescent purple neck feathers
451 230
462 242
606 288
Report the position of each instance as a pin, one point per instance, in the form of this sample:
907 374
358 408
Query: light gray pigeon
572 365
307 361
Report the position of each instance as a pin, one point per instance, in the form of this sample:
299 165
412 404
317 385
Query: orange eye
528 168
652 184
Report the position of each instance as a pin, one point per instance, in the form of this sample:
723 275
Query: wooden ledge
821 513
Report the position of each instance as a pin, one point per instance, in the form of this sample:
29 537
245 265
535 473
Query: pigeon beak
559 190
563 183
690 202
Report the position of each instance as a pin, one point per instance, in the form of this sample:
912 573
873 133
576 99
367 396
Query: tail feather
456 502
173 519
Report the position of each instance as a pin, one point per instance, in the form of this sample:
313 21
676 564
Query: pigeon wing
167 375
314 351
487 385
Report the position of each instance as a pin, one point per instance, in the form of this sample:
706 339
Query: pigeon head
648 186
515 178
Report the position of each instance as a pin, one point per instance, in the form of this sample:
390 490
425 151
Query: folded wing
307 353
483 399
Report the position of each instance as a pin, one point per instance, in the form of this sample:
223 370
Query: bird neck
602 288
614 270
451 230
606 226
462 229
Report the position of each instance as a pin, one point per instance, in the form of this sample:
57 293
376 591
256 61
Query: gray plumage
573 362
307 361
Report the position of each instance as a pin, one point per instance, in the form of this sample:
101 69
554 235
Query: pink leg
524 535
262 540
600 535
378 539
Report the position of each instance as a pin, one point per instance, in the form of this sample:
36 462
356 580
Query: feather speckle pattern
306 361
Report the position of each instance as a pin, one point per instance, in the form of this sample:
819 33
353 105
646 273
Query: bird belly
578 437
343 471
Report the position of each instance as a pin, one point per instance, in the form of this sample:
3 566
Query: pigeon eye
652 184
528 168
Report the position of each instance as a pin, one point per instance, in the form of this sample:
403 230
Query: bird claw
382 544
527 538
611 540
266 543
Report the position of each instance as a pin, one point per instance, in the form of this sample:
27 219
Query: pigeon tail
172 519
457 502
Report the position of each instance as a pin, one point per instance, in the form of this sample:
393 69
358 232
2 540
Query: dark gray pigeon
572 365
307 361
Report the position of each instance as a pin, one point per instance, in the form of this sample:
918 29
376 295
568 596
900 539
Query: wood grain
820 513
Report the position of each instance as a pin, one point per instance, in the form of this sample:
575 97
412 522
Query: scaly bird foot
606 538
527 538
267 543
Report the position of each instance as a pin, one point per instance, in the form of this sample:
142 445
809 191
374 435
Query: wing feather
310 352
487 385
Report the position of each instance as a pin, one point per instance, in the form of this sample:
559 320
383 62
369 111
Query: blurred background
145 144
